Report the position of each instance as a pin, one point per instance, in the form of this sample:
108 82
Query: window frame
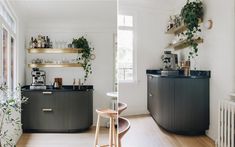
134 29
12 33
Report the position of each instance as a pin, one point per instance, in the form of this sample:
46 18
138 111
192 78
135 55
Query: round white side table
114 96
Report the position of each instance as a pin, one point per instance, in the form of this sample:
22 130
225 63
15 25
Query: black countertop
63 88
193 74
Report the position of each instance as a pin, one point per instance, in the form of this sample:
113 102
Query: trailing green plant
192 13
85 58
10 102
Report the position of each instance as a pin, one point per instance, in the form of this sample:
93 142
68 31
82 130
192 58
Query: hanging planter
192 14
86 56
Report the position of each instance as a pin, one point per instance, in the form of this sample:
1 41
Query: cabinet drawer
57 111
42 111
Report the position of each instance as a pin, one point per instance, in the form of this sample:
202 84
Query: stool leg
97 131
111 132
114 134
119 142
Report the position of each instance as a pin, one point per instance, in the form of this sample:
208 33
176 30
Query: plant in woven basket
192 13
86 56
10 103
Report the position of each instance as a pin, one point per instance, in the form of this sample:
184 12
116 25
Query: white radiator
226 123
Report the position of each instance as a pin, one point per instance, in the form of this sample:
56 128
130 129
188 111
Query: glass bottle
35 43
31 43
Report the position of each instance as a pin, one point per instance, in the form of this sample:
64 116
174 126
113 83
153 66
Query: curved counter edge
194 74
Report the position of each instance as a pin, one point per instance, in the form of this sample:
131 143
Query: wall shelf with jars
177 27
58 65
182 44
43 45
54 50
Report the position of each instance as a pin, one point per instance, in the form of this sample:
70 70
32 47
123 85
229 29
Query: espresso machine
38 79
170 63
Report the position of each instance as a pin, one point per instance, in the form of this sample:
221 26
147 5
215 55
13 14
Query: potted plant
10 102
192 14
86 56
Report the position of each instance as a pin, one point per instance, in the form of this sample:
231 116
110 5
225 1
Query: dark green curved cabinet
179 105
57 111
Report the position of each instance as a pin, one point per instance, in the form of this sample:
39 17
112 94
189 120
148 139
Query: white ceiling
33 10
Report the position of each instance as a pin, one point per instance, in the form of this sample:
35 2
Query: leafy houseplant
10 102
86 56
191 14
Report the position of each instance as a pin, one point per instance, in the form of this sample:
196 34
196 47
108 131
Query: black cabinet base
187 133
180 105
57 111
55 131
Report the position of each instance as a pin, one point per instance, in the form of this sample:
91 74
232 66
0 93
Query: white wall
150 19
219 43
21 58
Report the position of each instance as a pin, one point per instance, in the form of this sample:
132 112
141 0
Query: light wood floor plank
85 139
144 132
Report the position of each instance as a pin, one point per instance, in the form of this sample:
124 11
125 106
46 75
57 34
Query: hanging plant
191 14
86 56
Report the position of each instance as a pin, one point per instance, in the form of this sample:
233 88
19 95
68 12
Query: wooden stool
112 115
123 126
121 107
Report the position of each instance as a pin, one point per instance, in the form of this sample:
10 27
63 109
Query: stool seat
123 126
121 107
107 113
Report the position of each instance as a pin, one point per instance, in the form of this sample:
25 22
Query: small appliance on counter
170 61
170 64
38 79
57 83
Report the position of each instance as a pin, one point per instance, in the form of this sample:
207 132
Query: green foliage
86 54
192 13
10 102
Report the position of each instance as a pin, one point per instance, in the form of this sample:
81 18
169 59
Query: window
7 47
7 17
5 56
125 51
13 66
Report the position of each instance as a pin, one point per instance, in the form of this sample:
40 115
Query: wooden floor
85 139
144 132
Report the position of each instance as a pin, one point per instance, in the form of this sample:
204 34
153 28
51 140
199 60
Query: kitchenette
64 61
55 106
178 93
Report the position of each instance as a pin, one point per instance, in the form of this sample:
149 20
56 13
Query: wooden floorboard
144 132
85 139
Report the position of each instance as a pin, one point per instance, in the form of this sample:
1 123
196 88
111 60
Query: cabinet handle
150 77
47 92
150 95
47 110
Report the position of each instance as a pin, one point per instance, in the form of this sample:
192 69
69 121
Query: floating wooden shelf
54 50
182 44
179 29
55 65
